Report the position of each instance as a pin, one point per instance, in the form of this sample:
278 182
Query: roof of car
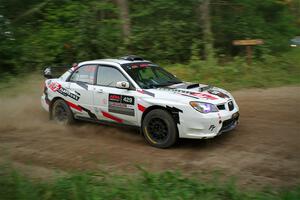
121 61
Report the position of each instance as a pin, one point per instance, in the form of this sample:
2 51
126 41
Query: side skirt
102 122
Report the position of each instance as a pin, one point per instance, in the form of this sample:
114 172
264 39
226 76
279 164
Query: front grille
230 105
230 122
221 107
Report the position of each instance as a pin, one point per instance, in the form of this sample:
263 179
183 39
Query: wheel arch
174 112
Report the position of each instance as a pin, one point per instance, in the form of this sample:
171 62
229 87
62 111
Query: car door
114 104
81 91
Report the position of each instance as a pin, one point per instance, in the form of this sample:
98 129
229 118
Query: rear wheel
159 129
61 113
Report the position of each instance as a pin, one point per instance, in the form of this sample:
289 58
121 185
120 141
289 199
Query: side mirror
48 73
123 85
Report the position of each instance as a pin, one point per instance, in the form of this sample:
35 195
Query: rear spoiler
54 72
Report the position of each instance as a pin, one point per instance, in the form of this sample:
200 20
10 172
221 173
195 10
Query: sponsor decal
115 97
67 93
139 65
54 86
203 95
212 127
109 116
146 92
121 104
127 100
80 109
190 94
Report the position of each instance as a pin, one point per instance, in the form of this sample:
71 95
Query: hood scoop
185 86
194 85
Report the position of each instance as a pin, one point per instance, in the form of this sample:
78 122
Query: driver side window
109 76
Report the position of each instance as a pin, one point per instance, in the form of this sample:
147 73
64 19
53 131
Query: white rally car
132 91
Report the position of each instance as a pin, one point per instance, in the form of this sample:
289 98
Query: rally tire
159 129
61 113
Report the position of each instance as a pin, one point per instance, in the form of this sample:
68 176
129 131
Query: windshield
151 76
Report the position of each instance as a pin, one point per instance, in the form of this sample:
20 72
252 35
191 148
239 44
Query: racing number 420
128 100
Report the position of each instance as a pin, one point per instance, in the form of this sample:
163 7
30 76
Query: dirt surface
264 150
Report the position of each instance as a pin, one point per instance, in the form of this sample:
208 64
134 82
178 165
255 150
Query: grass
270 71
165 185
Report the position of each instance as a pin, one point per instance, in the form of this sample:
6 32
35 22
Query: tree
125 19
205 21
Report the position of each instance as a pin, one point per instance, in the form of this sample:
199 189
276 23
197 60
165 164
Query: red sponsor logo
144 65
134 66
203 95
54 86
115 97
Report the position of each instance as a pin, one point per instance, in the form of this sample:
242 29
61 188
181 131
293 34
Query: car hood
186 92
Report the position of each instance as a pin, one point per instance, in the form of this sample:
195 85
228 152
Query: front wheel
61 113
159 129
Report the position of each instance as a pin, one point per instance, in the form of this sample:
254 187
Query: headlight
204 107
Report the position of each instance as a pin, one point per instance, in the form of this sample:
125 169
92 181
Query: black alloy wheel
61 113
159 128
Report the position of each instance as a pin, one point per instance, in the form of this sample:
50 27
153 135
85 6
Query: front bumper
203 126
44 103
230 124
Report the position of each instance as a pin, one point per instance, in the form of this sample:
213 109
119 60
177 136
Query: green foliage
269 71
255 19
60 32
164 185
74 32
164 30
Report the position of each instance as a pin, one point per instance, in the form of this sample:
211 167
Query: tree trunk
124 16
204 9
